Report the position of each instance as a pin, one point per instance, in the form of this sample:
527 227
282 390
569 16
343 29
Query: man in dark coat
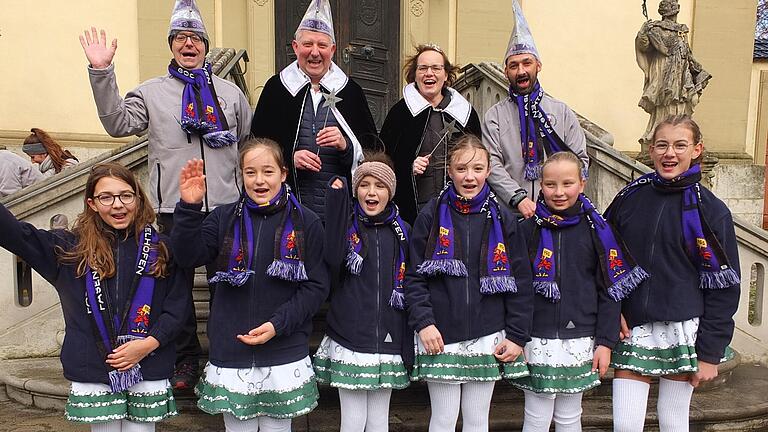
317 114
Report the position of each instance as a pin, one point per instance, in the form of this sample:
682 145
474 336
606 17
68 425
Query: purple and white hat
186 17
318 18
521 41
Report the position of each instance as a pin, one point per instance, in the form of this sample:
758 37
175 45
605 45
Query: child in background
468 291
581 271
123 299
681 318
369 344
271 281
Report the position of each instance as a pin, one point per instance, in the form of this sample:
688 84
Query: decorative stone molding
260 2
417 7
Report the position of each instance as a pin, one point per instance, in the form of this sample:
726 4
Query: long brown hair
94 236
58 155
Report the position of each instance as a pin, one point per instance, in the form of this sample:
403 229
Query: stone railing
484 85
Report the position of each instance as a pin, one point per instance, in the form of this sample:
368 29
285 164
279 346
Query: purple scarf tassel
497 284
232 277
219 139
354 262
624 286
397 300
548 289
450 267
122 381
719 279
289 271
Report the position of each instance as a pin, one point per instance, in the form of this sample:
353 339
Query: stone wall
742 188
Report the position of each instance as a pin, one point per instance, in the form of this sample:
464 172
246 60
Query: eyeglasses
434 67
107 199
182 37
662 148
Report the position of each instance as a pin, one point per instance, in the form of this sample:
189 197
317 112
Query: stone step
736 405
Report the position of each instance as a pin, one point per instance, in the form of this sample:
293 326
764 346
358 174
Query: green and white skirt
344 368
281 391
659 348
465 361
559 366
144 402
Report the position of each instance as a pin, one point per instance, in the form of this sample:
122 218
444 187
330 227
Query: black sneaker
185 376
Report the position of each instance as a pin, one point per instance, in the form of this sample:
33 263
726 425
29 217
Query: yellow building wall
45 81
757 122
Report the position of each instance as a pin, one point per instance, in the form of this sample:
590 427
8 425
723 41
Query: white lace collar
294 79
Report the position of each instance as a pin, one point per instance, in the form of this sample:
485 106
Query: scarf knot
201 113
620 273
701 244
444 253
288 262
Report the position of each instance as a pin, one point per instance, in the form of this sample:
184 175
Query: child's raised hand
431 339
601 360
507 351
258 336
192 182
128 354
624 332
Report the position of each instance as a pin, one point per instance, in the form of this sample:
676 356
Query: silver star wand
449 128
330 102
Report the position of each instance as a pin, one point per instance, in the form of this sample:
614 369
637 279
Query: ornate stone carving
260 2
369 12
417 7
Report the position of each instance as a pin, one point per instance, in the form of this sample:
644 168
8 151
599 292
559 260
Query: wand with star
330 102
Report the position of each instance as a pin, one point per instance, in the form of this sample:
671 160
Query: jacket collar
294 79
459 108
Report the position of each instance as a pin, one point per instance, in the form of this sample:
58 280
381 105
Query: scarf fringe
122 381
397 300
719 279
292 272
497 284
354 262
196 126
219 139
548 289
532 171
450 267
232 277
621 289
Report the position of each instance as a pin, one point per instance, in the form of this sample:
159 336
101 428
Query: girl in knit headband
368 345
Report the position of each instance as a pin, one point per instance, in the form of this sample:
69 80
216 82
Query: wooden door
367 45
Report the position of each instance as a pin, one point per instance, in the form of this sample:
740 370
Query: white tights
472 398
122 426
260 424
364 411
541 408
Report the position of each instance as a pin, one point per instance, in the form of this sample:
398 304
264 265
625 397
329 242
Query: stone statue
674 80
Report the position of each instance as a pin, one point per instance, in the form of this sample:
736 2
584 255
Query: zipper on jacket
378 291
413 176
296 143
650 258
559 249
202 156
466 279
252 305
159 192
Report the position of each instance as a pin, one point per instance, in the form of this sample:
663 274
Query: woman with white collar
420 128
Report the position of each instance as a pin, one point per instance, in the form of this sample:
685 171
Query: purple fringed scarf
116 327
620 273
289 241
702 246
537 135
358 248
200 110
443 248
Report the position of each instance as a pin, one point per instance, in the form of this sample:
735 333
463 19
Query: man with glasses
523 129
189 113
317 114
